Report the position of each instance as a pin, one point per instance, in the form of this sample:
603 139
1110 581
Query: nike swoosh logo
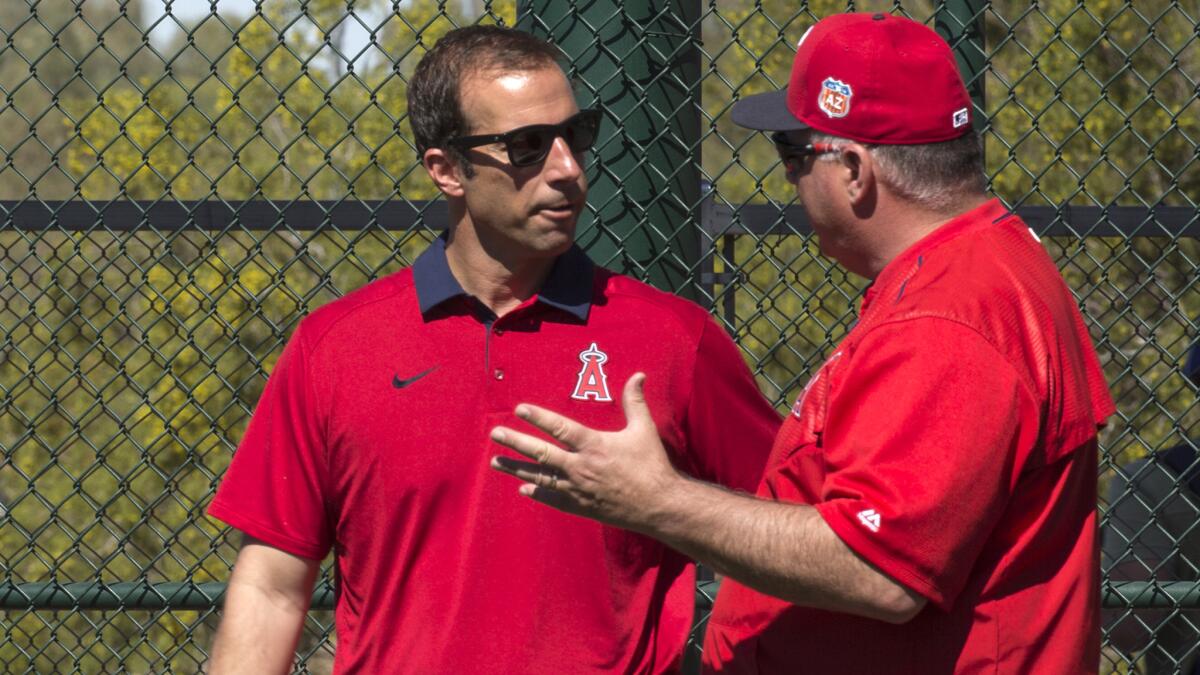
400 384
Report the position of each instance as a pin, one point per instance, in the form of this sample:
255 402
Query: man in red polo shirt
370 438
930 504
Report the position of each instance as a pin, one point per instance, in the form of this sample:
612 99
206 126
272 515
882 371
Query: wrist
670 507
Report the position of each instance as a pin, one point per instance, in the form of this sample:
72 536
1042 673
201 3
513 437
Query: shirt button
499 331
499 374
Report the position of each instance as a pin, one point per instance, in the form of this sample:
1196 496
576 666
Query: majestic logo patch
834 99
961 117
870 519
592 383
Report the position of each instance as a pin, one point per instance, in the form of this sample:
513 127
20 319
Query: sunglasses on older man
789 151
529 145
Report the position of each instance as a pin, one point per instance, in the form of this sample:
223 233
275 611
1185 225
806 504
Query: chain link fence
178 187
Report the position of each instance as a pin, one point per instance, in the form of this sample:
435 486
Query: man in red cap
929 506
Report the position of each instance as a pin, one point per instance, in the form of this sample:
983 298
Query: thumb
633 401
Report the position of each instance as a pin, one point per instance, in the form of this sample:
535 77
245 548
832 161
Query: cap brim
766 112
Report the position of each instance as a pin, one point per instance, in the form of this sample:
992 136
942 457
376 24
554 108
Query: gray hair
933 175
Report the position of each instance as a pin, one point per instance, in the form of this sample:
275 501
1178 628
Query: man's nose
561 162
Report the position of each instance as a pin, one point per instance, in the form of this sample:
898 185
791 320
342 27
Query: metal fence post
639 61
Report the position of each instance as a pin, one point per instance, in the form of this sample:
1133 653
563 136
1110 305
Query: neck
501 282
904 223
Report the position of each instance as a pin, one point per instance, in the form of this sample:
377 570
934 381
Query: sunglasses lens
782 147
580 131
530 147
789 152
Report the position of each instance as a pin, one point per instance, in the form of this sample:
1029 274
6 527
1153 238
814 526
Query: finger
563 429
529 472
553 498
537 449
514 467
633 401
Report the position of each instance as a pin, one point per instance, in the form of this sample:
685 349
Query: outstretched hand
617 477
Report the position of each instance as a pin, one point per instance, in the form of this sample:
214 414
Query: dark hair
435 91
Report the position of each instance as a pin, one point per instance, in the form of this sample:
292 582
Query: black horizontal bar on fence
127 595
173 595
716 220
182 596
217 215
1046 221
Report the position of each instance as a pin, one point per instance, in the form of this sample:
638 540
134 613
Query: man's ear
858 167
445 171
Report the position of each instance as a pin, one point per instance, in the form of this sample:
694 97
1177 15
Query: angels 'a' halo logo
834 99
592 383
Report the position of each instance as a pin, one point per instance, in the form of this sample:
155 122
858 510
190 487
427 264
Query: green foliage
1099 102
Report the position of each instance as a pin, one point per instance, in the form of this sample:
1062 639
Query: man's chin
556 246
555 234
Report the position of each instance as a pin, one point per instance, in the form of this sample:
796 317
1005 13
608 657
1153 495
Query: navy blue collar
569 286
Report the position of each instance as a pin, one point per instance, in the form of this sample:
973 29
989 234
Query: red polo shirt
950 440
371 438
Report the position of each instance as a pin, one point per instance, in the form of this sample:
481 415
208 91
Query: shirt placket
497 354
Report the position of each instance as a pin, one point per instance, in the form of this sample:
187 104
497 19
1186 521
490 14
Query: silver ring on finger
554 481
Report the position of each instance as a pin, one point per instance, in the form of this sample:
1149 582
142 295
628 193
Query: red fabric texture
442 566
950 440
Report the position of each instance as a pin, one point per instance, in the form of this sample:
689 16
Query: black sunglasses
790 151
529 145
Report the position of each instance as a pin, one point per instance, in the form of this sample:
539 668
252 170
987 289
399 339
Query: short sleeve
923 440
730 425
273 489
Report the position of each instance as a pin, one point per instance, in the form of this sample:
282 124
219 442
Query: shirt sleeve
729 424
274 487
923 441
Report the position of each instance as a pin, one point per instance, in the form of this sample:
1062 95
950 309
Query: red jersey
949 440
371 439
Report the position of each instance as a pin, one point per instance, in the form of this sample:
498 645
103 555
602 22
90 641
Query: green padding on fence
185 596
1138 594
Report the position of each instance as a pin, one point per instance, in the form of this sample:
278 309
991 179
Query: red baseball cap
873 78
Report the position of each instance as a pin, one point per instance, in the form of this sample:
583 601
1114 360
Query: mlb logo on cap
834 99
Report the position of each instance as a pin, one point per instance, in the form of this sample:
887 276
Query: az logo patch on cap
834 99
